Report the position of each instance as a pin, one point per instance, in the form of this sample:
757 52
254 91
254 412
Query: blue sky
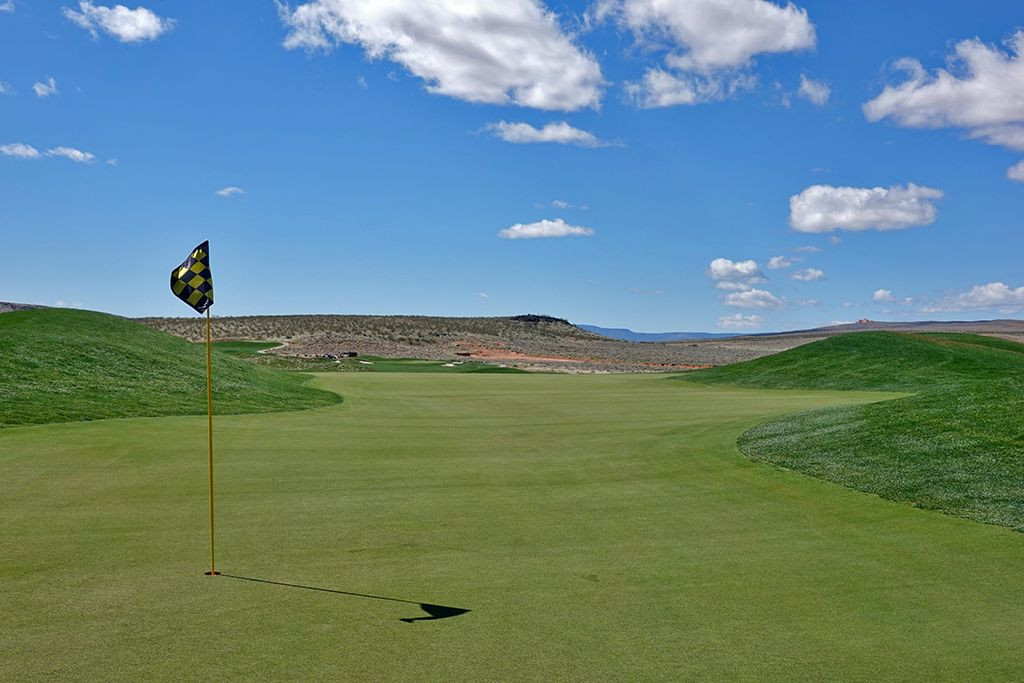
385 154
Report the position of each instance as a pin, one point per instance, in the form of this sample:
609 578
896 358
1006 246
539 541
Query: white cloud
979 92
735 275
508 52
482 295
809 275
544 228
739 321
709 43
715 34
229 191
561 204
754 298
559 132
6 88
987 94
1016 172
111 162
7 6
823 208
127 25
361 82
882 295
808 249
76 155
816 92
20 150
779 262
992 295
660 88
45 89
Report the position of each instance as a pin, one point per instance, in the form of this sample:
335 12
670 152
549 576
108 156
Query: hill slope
956 446
60 365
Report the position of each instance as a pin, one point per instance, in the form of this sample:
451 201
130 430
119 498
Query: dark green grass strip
956 446
61 365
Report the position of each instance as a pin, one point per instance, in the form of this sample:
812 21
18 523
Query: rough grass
59 365
957 445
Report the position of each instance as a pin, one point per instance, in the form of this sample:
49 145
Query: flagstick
209 424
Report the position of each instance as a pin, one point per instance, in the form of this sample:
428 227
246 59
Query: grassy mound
957 445
59 365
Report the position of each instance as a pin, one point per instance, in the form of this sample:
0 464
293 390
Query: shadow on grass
435 611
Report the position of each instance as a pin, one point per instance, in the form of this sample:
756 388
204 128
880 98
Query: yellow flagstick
209 423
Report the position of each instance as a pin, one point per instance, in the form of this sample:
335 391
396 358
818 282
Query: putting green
596 527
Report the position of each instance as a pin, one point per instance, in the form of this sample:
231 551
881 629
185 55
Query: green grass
956 446
59 365
597 527
251 351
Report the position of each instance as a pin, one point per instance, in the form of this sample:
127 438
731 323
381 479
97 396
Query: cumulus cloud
45 89
779 262
20 150
816 92
544 228
558 132
882 295
229 191
508 52
735 275
823 208
995 295
809 275
6 88
754 298
1016 172
76 155
979 93
709 43
126 25
739 321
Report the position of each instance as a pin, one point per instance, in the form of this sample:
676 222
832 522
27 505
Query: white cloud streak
76 155
229 191
809 275
824 208
815 92
559 132
7 6
739 321
20 150
779 262
508 52
45 89
544 228
126 25
994 295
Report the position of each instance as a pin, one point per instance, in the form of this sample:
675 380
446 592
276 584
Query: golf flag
191 281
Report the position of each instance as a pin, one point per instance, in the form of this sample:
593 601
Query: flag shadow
434 611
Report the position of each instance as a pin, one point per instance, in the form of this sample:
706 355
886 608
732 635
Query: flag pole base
211 573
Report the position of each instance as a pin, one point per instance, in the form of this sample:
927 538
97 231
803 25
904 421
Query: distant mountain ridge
629 335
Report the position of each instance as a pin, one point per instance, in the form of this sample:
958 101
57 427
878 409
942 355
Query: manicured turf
60 365
251 351
596 527
957 446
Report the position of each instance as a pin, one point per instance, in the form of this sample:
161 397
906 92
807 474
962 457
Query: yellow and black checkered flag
191 281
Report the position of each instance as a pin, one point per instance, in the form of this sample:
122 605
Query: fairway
595 527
